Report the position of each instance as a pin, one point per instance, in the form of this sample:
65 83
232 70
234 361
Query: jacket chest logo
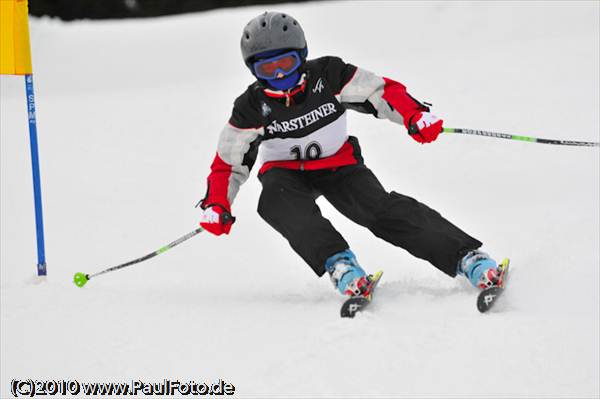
319 86
265 109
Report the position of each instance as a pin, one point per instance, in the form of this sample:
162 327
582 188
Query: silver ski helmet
272 31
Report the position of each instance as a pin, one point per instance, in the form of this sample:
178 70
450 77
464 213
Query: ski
488 297
356 304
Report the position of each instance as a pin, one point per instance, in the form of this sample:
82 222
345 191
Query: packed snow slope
129 113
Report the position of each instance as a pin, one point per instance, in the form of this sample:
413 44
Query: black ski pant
287 203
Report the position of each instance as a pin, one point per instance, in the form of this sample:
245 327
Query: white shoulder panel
366 86
234 143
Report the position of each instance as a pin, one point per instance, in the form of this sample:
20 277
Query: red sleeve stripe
218 183
395 94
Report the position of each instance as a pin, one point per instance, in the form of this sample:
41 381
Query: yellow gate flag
15 55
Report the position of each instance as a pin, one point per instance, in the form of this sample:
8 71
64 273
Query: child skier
295 114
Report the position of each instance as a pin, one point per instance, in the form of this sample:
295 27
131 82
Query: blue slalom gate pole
35 167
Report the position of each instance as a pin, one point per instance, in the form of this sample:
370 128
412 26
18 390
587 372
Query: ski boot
481 270
347 276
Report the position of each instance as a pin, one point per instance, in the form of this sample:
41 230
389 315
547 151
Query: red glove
217 220
424 127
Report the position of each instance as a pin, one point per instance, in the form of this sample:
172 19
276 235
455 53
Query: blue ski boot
481 270
347 275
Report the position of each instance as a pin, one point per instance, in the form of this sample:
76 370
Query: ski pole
520 138
80 279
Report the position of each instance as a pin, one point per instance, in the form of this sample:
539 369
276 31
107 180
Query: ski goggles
285 64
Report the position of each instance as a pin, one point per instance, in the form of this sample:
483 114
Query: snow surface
129 113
